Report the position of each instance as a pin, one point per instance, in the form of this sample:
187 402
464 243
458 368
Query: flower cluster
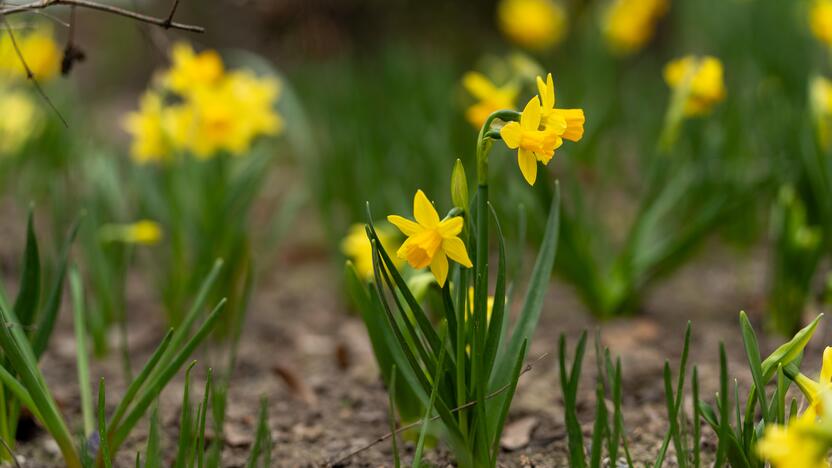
806 440
200 108
629 24
703 77
541 129
22 117
533 24
37 45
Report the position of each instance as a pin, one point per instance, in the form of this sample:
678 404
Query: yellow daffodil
629 24
534 24
820 20
190 71
38 48
146 127
817 390
216 111
704 78
431 241
532 143
21 120
820 102
794 445
357 247
490 97
143 232
570 120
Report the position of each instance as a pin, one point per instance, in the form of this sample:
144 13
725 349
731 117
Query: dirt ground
332 403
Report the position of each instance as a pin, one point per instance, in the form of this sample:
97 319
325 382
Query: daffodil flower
629 24
532 143
431 241
534 24
820 20
795 445
489 305
704 77
490 97
815 390
570 122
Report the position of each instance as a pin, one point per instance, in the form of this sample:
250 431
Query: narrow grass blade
261 450
49 314
574 433
423 432
202 417
81 352
102 426
186 429
391 394
153 453
26 304
752 351
724 425
697 420
154 386
600 428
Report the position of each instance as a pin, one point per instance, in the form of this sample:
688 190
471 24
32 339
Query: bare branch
166 23
418 423
29 75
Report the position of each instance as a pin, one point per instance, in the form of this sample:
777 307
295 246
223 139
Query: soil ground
310 357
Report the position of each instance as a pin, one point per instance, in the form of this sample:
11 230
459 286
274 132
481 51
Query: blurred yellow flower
628 25
357 247
143 232
147 127
215 111
703 77
39 49
820 103
190 70
534 24
572 119
820 20
489 305
21 119
795 445
490 97
531 143
431 241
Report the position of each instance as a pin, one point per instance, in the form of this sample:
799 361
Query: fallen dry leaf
518 433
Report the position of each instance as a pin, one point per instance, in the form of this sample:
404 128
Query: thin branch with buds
166 23
418 423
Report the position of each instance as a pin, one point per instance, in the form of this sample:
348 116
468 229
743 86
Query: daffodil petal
455 249
574 119
478 85
528 165
826 367
423 211
512 134
530 118
439 268
450 227
406 226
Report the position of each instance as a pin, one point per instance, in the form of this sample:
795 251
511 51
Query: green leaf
153 453
49 314
26 304
186 428
533 303
81 351
752 351
102 426
574 432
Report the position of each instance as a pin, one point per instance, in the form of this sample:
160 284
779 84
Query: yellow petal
439 268
574 123
530 118
478 85
528 165
455 249
826 368
450 227
406 226
423 210
546 91
512 133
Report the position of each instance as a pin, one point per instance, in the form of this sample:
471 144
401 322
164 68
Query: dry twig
381 439
166 23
